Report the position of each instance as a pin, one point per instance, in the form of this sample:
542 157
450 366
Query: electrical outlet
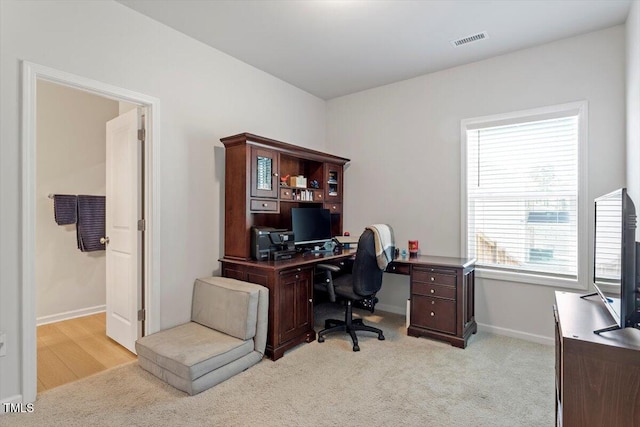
3 344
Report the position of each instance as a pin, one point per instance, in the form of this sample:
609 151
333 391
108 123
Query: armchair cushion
191 350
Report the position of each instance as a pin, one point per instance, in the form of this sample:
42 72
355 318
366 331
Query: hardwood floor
74 349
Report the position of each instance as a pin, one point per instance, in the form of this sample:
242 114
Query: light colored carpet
495 381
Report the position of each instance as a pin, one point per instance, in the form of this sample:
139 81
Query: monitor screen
614 262
310 225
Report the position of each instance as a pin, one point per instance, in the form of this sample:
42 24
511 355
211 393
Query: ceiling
334 48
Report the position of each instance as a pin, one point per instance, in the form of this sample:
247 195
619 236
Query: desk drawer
433 290
440 277
286 194
335 208
258 205
433 313
398 268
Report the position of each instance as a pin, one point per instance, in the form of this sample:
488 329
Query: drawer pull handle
310 300
264 205
297 276
433 302
432 279
433 291
275 174
432 314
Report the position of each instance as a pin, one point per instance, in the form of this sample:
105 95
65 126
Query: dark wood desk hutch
597 376
254 195
259 192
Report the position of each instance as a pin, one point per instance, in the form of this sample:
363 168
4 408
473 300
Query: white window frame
579 108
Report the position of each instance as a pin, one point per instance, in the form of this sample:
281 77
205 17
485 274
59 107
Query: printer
268 243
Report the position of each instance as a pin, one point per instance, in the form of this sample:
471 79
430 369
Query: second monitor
311 226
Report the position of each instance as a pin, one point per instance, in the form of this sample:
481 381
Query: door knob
104 240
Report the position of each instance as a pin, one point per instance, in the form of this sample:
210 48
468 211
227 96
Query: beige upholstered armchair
227 334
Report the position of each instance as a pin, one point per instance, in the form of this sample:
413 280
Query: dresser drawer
440 277
264 205
433 290
433 313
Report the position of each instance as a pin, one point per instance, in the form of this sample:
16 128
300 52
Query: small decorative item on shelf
404 253
283 179
413 248
314 184
298 181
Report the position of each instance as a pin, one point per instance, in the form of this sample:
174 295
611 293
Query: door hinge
141 134
142 225
142 314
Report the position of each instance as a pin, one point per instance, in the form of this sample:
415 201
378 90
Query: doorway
72 281
32 73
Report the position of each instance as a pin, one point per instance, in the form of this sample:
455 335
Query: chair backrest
366 275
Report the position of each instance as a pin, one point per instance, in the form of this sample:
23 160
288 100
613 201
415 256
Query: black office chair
357 287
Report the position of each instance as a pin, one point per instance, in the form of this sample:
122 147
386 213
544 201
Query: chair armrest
328 278
330 267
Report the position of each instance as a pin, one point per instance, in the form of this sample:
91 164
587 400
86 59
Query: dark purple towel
90 228
64 208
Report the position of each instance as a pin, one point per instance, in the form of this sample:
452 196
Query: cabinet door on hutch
333 182
295 303
264 173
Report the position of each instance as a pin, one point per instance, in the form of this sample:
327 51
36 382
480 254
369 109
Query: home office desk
442 295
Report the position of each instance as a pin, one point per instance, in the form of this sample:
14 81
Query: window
523 198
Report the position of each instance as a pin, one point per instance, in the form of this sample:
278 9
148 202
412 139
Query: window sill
531 279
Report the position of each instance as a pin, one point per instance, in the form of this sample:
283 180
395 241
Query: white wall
633 106
70 159
404 140
204 95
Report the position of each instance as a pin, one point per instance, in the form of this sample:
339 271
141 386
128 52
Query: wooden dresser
597 376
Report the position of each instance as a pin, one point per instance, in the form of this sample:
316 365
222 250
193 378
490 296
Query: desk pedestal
442 297
290 284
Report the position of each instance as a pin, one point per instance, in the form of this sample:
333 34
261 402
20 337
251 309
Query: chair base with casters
349 325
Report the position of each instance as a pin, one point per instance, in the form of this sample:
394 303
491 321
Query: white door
121 228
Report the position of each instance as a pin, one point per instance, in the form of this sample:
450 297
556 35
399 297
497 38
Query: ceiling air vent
470 39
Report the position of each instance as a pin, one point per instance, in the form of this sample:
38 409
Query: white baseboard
70 315
540 339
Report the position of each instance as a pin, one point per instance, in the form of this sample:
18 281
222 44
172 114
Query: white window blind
522 196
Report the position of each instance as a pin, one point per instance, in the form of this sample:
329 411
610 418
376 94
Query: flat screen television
615 262
310 226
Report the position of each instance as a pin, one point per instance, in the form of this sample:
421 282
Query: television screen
310 225
614 263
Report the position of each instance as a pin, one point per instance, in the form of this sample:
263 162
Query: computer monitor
310 225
